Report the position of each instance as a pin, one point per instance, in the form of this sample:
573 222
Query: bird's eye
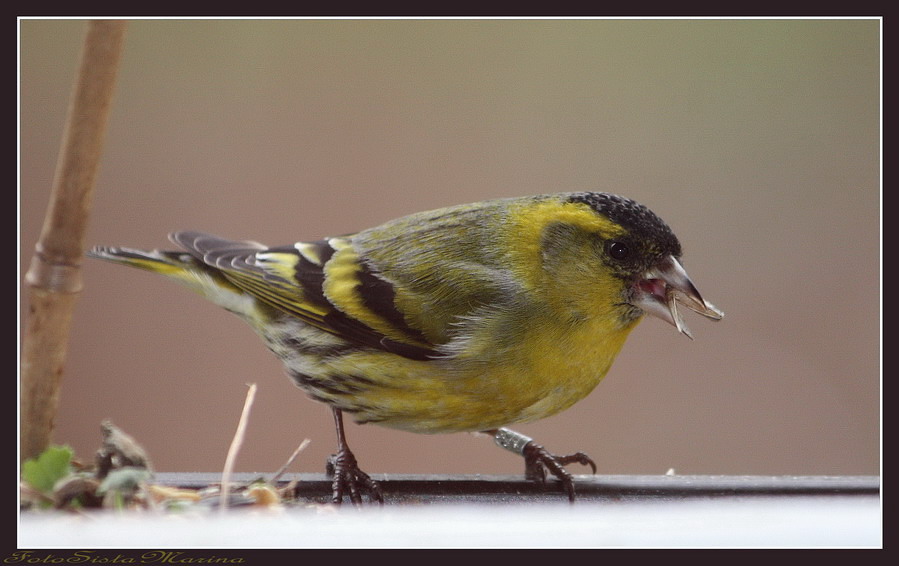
619 250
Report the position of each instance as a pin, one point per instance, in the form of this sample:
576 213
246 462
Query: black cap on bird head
642 223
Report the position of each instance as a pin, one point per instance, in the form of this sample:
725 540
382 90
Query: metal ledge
423 489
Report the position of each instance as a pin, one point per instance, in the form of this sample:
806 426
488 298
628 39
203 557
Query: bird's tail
172 264
182 267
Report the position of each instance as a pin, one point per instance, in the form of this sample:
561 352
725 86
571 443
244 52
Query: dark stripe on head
641 222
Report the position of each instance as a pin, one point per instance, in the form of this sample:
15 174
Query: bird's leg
538 460
348 478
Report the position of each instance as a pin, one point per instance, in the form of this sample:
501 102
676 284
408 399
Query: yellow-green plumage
466 318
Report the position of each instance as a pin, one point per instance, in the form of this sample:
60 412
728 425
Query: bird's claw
348 479
538 460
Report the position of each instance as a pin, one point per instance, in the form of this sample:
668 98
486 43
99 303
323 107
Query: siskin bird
466 318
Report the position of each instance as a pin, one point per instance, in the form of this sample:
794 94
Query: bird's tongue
654 287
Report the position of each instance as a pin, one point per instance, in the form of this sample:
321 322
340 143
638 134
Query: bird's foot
349 480
538 460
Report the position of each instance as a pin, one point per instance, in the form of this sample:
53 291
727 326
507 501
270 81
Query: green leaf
51 466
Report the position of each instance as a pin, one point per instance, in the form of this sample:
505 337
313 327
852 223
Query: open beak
660 290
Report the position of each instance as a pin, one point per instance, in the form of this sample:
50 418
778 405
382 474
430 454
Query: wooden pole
54 278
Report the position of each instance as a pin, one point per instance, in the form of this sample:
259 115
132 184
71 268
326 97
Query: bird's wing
447 271
323 283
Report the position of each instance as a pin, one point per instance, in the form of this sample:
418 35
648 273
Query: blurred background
758 141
